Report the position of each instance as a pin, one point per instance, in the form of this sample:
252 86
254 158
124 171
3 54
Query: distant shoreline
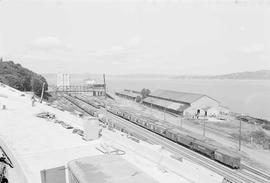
249 75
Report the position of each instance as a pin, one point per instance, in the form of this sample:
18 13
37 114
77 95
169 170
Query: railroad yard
226 132
82 104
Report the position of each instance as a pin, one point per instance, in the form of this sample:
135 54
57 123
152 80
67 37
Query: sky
146 36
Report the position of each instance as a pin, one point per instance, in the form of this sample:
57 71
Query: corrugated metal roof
165 103
127 93
177 96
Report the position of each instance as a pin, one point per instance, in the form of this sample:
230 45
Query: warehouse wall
201 103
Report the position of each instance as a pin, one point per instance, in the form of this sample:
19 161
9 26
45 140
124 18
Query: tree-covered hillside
21 78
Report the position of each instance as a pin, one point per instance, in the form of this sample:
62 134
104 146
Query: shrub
21 78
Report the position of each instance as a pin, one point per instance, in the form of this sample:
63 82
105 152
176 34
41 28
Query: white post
240 131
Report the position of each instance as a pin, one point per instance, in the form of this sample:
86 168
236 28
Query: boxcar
204 148
172 134
228 158
185 140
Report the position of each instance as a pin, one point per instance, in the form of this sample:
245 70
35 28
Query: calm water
244 96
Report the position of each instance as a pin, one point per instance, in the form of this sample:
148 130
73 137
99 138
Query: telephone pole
204 127
181 122
105 87
164 113
240 133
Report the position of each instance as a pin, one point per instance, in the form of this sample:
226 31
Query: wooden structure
95 90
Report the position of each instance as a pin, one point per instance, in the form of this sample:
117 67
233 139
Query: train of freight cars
221 155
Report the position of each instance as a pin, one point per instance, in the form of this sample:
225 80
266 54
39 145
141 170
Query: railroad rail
255 171
235 176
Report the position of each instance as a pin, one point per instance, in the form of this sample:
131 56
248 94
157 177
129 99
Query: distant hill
255 75
80 78
21 78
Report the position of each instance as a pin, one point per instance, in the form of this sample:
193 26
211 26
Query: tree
138 99
145 93
36 86
21 78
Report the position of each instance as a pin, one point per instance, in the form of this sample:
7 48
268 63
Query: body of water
250 97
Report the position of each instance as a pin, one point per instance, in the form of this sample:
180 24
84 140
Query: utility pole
105 90
181 121
204 126
106 114
240 133
164 113
151 108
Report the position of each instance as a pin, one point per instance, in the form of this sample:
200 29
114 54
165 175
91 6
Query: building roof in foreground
107 168
177 96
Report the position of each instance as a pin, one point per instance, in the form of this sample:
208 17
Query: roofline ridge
181 92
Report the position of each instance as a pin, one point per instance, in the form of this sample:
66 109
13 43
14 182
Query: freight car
228 158
160 129
204 148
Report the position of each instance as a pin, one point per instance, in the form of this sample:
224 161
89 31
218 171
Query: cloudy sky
120 37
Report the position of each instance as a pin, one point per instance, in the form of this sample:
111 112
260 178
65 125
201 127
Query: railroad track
255 171
235 176
231 175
